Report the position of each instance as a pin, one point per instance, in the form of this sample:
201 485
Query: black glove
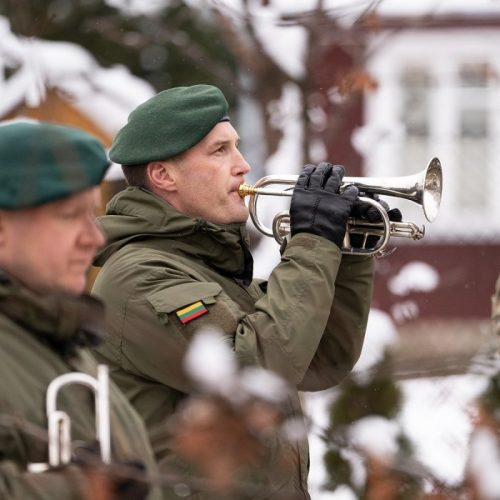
317 205
365 211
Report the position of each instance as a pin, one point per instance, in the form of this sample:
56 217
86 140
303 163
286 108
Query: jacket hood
136 214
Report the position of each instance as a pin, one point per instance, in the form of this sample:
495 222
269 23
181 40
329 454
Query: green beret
168 124
42 162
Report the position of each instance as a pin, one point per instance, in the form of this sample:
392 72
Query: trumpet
59 423
423 188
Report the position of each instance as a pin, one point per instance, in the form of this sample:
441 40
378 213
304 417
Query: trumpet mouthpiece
245 190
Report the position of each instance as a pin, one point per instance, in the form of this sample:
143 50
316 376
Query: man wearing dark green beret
178 261
49 177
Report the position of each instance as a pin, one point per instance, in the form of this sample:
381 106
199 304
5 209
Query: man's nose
93 235
241 166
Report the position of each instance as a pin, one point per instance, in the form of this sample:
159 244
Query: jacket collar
137 215
65 322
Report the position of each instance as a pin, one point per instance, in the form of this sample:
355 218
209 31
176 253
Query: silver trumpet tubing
59 422
423 188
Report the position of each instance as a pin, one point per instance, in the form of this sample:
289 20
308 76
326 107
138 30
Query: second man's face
208 176
51 247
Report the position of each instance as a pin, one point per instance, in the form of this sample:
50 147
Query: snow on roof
105 95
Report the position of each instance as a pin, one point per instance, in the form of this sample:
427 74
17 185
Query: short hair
136 175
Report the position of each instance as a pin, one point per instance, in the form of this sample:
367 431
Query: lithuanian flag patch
193 311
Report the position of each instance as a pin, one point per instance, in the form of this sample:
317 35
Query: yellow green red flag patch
193 311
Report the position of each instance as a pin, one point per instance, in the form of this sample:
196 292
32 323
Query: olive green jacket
40 339
306 323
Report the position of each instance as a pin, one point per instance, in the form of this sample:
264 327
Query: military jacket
40 339
306 322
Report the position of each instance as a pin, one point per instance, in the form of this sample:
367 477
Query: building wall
339 102
462 286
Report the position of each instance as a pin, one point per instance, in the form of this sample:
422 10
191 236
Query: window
415 85
473 141
439 95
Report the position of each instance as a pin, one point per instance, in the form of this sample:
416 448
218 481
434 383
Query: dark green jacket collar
138 215
64 322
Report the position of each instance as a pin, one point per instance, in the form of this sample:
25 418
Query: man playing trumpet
49 178
178 260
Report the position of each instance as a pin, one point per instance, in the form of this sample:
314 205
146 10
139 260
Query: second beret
44 162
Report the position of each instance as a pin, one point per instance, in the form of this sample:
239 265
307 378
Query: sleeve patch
193 311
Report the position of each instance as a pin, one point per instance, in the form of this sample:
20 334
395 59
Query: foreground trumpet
423 188
60 449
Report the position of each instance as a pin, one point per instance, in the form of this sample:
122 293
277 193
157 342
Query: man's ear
161 176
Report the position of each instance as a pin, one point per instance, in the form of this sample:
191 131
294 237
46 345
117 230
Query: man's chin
236 215
242 216
75 286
